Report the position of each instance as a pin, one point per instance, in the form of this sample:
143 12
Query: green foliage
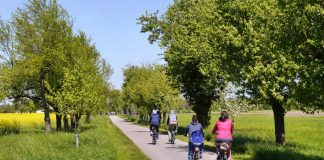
148 87
305 20
115 101
83 88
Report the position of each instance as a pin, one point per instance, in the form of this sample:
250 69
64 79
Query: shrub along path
162 150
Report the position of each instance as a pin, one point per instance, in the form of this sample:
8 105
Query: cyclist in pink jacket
224 131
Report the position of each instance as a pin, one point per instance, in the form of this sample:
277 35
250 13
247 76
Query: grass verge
99 139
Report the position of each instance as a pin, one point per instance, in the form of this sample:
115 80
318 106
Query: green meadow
254 137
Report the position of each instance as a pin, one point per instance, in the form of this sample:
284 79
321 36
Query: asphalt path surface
163 150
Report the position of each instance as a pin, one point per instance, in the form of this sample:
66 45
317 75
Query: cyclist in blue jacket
193 127
155 121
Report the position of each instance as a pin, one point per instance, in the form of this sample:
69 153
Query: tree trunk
47 120
164 116
77 137
202 110
66 123
203 117
141 116
45 107
72 122
88 116
77 124
279 118
58 122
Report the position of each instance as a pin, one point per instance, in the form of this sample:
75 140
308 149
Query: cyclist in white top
173 123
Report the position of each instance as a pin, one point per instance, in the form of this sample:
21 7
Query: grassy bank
99 140
254 137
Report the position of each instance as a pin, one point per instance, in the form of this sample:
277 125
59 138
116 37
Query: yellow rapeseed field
26 119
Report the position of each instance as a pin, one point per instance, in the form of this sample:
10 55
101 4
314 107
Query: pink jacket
224 129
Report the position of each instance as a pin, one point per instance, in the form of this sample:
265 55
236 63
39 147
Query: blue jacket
193 126
155 119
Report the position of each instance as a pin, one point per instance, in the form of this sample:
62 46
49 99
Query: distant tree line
145 87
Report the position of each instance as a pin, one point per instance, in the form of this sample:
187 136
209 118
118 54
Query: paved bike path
163 150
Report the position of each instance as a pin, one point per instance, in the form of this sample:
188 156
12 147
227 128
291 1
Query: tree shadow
181 130
283 155
267 150
263 149
152 143
87 127
178 148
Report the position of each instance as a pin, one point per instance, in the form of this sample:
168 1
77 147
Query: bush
7 127
143 122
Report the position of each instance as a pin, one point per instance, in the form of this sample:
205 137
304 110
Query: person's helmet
154 111
172 111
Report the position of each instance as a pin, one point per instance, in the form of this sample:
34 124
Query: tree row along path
163 149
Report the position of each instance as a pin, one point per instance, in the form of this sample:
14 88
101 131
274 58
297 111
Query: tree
261 46
7 42
115 100
84 88
185 40
305 20
147 87
41 32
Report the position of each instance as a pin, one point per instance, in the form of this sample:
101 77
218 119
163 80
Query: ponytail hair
194 118
224 116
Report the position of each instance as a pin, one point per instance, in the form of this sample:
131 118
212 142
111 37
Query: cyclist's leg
157 131
201 148
169 133
217 148
190 153
151 129
230 151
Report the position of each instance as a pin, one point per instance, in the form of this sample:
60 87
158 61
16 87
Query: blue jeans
190 152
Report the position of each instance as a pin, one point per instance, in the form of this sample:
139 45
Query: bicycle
154 135
224 149
172 130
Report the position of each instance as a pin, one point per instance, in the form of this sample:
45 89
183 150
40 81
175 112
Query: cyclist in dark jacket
155 121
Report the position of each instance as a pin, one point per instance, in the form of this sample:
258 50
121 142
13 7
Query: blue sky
111 24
